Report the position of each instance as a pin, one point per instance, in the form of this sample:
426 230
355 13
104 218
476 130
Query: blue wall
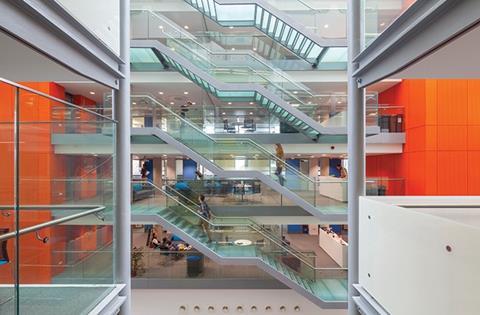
333 167
189 169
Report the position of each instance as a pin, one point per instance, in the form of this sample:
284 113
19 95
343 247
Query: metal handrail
251 222
40 226
217 140
192 38
174 114
294 170
23 87
267 236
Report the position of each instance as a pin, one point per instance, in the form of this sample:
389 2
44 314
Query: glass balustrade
379 15
249 118
231 192
245 155
327 20
242 238
231 67
64 260
326 24
44 179
385 186
167 264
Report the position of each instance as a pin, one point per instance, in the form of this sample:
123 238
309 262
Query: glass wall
53 202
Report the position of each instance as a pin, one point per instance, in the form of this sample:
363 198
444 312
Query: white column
356 147
122 164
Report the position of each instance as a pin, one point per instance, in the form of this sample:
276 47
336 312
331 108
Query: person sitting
163 245
154 243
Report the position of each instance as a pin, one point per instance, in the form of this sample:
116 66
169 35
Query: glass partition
50 173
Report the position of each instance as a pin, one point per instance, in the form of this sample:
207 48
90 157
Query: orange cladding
442 126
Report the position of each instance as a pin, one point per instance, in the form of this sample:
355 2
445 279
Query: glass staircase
230 76
221 156
243 241
274 23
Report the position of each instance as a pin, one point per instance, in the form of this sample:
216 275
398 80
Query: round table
242 242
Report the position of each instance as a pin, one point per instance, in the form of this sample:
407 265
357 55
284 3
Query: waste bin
194 265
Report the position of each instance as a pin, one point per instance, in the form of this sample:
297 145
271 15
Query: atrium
239 157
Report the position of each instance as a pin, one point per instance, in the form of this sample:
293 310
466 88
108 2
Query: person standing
280 154
206 215
342 171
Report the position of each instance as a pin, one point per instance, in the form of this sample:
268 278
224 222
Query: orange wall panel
452 138
452 179
473 176
442 126
473 108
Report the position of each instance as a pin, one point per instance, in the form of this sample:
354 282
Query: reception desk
333 187
334 246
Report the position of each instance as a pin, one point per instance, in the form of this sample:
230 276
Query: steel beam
50 30
425 27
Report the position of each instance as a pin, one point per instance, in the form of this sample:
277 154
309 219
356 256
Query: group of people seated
170 246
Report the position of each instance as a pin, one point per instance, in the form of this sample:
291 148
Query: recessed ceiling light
172 49
160 27
164 155
233 48
251 113
325 26
295 92
254 49
230 27
161 93
186 27
186 93
172 103
295 105
229 103
193 103
223 113
92 93
339 102
134 103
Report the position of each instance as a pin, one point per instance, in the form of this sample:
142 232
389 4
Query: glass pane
236 12
7 198
54 184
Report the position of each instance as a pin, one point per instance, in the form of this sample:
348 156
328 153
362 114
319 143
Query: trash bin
194 265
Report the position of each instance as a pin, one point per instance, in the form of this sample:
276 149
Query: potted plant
137 262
